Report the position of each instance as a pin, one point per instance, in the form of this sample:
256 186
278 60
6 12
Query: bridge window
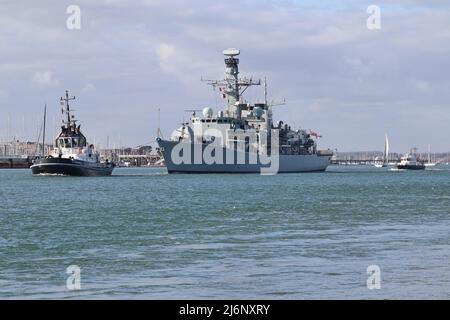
65 143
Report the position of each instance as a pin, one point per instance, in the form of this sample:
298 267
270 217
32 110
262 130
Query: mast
43 133
9 134
65 102
265 91
233 87
158 130
386 148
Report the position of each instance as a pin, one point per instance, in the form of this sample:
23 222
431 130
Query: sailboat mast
43 133
386 148
429 153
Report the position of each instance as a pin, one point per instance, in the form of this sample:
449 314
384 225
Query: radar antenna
232 87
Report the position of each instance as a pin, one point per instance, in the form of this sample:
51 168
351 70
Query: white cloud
422 86
88 87
321 104
186 64
45 79
165 52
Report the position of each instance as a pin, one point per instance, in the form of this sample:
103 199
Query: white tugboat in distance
410 162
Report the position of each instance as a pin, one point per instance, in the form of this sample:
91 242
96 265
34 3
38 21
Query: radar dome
231 52
207 112
258 111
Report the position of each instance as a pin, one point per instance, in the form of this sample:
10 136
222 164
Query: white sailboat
384 162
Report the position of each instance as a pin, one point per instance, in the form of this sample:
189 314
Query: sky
131 58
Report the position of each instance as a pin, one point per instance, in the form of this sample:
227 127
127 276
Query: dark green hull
69 167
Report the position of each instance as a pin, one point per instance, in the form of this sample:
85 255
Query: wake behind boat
72 154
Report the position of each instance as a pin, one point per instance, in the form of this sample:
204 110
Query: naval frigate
243 137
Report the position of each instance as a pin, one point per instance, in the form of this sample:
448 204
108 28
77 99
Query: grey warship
242 138
72 155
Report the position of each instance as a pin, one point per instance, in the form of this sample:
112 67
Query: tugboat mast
67 111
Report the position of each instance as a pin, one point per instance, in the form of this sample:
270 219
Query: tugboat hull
411 167
70 167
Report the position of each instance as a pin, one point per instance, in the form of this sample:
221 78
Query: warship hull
287 163
69 167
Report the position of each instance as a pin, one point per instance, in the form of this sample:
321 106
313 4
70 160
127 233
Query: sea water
144 234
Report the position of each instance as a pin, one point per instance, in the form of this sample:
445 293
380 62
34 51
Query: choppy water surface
145 234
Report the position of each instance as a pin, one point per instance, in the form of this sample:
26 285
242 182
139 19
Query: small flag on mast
315 134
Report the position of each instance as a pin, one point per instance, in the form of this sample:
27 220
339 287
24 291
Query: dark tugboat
72 155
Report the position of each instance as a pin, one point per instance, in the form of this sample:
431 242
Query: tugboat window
67 143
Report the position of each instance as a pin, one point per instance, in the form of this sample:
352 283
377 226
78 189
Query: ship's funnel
231 52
